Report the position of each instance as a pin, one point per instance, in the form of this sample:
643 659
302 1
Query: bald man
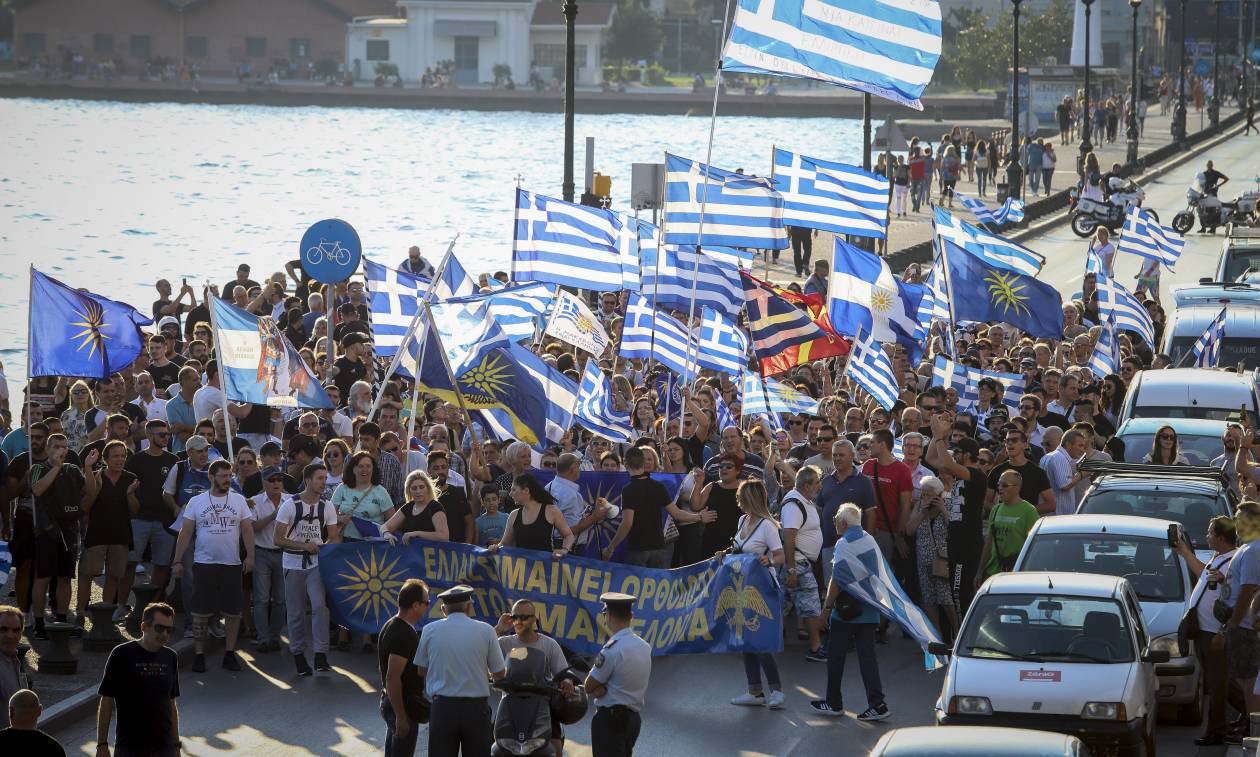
22 736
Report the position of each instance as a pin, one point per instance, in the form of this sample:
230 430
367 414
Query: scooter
522 725
1088 215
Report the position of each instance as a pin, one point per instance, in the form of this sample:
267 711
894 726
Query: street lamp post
1014 181
570 54
1214 107
1132 155
1179 115
1085 144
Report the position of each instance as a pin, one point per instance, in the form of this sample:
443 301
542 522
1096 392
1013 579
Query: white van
1064 652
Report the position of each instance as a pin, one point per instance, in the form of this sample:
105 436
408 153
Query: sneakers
121 613
817 655
775 700
749 700
199 664
821 707
303 669
262 647
230 662
321 662
874 713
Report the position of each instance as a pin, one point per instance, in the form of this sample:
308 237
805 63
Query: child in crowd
492 522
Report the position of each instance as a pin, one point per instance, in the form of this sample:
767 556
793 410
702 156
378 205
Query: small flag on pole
1207 350
1012 210
870 367
740 210
722 346
573 322
1143 236
595 407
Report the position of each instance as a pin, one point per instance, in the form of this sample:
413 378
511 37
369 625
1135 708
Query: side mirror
945 650
1156 656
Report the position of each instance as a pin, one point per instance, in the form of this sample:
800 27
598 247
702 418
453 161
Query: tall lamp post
1132 156
1086 147
1214 107
1014 181
1179 115
570 54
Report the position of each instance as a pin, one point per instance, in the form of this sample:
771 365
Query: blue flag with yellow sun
76 333
984 293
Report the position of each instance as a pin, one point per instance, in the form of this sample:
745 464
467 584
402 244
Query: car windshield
1239 260
1233 351
1190 510
1199 450
1150 565
1046 628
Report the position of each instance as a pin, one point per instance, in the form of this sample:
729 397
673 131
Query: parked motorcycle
522 725
1088 215
1213 212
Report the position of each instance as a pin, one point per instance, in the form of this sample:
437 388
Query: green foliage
325 67
976 49
386 69
635 34
656 75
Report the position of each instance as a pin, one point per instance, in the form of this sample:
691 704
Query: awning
465 28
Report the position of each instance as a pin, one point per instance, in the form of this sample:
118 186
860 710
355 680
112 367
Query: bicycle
337 254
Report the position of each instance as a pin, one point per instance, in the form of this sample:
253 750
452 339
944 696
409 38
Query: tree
635 34
981 51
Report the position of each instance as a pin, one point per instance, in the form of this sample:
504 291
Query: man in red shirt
887 520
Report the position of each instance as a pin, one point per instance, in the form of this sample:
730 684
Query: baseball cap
272 471
196 443
270 448
353 338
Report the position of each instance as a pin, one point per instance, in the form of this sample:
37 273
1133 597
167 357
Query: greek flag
671 343
860 569
721 413
831 196
394 299
595 407
628 244
965 381
935 303
722 346
454 281
517 308
993 249
1012 210
870 367
567 244
741 210
769 395
865 297
667 274
6 562
1106 358
884 47
1143 236
1207 350
1119 303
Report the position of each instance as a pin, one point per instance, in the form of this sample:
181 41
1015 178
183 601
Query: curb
69 711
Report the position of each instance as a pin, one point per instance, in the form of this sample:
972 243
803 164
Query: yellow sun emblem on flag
881 300
1007 292
584 324
488 379
90 335
372 585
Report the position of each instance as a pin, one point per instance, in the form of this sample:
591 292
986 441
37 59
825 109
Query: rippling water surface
113 196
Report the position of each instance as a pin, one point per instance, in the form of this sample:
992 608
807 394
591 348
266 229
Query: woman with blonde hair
421 517
758 534
74 418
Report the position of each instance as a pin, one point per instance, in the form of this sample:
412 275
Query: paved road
265 709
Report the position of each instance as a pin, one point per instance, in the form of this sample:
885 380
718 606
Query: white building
478 35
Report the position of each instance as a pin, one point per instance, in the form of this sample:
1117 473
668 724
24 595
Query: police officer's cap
456 594
618 600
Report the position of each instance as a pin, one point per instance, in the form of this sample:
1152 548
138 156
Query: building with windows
472 37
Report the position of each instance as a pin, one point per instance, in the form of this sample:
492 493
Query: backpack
314 514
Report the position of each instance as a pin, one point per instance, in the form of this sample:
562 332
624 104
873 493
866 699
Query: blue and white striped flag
1143 236
595 407
769 395
741 210
1207 350
722 416
966 382
671 343
394 298
899 448
567 244
6 562
628 243
1012 210
559 393
454 281
831 196
993 249
1106 358
667 275
871 369
935 303
722 345
1117 302
573 322
883 47
518 308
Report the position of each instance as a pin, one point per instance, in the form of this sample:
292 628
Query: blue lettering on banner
330 251
731 605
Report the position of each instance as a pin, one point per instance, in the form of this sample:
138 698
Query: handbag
847 606
940 563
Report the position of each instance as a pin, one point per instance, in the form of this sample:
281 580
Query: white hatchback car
1064 652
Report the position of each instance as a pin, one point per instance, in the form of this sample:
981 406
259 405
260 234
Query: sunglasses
863 447
548 464
521 617
1168 437
826 439
796 423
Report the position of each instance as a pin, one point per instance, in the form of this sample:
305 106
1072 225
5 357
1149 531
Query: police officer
454 656
619 680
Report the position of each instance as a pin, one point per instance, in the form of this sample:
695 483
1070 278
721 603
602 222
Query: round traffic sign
330 251
1202 67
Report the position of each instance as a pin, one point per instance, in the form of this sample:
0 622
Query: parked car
1175 393
977 741
1241 343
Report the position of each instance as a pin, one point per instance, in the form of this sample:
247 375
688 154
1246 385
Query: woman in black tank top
421 517
719 497
530 524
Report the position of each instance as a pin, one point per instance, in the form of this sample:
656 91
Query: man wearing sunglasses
141 681
519 630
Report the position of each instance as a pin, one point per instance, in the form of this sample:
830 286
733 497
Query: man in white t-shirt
220 519
268 582
303 525
209 397
154 407
802 544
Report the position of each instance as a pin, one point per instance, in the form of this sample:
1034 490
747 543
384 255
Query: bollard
1250 746
145 594
1003 188
104 634
59 660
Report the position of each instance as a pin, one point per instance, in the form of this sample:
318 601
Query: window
553 55
256 47
378 49
196 47
103 44
141 46
33 43
299 48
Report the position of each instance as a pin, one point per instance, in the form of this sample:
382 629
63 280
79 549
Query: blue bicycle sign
330 251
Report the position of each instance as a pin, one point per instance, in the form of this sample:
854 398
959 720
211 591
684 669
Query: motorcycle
1088 215
522 725
1213 212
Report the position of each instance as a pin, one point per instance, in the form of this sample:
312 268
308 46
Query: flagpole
218 353
411 330
656 282
949 288
330 327
30 328
446 363
516 220
767 252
